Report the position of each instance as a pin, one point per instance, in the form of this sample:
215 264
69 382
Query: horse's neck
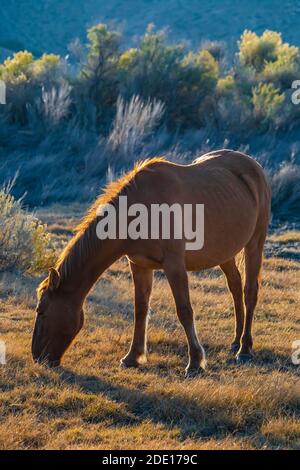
84 272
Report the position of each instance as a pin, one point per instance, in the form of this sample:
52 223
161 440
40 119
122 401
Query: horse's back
245 171
226 171
233 190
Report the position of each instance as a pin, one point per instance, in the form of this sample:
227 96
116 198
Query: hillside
52 24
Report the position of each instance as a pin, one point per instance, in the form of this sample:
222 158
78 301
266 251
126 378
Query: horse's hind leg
234 282
142 279
178 279
253 261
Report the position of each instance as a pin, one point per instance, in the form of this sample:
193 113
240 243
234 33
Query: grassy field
90 403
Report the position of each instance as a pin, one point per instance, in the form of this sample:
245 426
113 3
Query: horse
236 197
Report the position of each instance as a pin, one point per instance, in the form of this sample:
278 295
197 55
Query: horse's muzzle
38 357
47 362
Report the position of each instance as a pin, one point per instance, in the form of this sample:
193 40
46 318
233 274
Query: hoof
244 358
234 348
128 364
191 373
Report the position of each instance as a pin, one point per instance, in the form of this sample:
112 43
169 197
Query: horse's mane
85 240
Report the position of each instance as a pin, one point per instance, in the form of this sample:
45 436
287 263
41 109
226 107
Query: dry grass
91 403
288 236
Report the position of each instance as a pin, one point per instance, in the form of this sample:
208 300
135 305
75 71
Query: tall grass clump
134 124
25 244
286 192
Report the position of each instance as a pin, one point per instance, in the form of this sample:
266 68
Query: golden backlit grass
91 403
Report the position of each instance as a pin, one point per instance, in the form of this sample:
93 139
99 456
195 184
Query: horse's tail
240 263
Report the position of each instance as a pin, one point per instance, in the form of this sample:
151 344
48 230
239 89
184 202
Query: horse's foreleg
234 282
253 261
142 279
178 280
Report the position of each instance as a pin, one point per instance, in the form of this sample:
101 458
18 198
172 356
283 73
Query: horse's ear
54 279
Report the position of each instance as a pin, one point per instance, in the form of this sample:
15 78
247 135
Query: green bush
152 70
196 87
181 80
255 51
257 87
26 78
25 244
267 102
270 58
23 67
198 80
99 75
226 86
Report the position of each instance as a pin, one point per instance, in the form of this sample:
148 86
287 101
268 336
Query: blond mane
85 239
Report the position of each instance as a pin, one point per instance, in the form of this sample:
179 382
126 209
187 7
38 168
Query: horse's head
59 318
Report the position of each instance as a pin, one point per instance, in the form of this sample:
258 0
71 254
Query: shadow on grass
191 418
270 360
265 360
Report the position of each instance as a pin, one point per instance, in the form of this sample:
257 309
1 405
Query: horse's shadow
219 357
269 360
183 414
186 414
266 360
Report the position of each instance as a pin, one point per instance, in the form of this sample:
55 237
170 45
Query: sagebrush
25 244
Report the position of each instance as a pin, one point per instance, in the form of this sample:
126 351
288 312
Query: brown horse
236 197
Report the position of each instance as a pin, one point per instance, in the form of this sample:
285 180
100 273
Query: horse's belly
196 261
223 240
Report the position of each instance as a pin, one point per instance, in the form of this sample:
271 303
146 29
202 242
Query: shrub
17 68
46 66
198 79
255 51
25 79
183 81
234 111
270 58
285 69
216 48
267 102
22 67
226 86
24 242
201 70
153 71
99 75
